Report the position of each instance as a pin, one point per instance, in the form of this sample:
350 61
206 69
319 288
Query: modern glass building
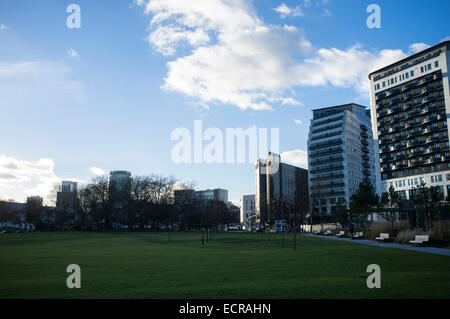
340 155
281 190
409 106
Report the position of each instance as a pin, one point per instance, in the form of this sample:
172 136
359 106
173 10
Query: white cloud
97 171
447 38
22 178
19 178
37 83
417 47
232 57
3 27
299 122
285 11
72 53
295 157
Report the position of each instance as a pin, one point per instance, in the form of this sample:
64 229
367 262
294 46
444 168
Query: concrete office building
281 190
340 155
409 105
247 208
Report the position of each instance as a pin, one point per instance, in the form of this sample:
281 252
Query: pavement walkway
429 250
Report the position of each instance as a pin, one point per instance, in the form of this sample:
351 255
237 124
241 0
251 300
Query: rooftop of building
120 173
445 44
342 107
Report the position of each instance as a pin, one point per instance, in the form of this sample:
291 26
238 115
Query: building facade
340 155
67 197
409 105
247 208
281 190
217 194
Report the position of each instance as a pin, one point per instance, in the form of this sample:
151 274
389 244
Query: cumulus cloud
417 47
26 178
97 171
22 178
299 122
231 57
285 11
3 27
295 157
37 83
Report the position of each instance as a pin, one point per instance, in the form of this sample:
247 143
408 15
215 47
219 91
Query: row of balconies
326 128
329 151
328 168
327 194
418 131
329 176
318 137
326 160
415 163
418 121
333 119
402 147
329 143
397 109
328 185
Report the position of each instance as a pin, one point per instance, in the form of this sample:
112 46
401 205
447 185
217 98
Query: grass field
233 265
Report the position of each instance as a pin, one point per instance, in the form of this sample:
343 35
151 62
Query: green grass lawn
233 265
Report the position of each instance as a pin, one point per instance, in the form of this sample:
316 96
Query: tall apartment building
340 155
409 105
247 208
280 192
67 197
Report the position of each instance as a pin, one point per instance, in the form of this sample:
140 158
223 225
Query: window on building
436 64
440 178
412 73
429 66
432 179
421 69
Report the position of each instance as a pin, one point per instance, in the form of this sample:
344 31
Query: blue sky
107 96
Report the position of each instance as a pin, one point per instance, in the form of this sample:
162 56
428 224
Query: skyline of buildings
401 141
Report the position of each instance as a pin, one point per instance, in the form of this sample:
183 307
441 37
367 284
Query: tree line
427 204
143 203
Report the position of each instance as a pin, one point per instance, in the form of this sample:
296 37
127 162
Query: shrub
385 227
404 236
440 230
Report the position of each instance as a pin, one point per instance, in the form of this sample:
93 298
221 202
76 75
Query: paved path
429 250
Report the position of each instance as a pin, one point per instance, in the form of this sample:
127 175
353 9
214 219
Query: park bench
357 235
383 237
341 233
328 232
420 239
